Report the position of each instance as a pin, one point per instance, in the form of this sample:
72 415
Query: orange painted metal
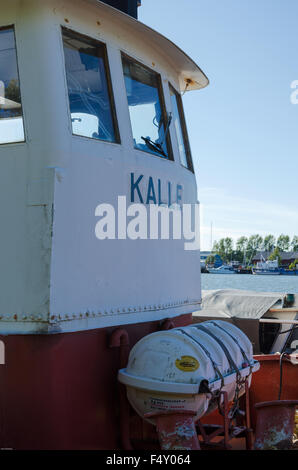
265 385
265 382
176 431
227 426
275 425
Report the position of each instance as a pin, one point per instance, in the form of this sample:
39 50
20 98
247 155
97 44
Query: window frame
95 43
187 148
19 142
160 90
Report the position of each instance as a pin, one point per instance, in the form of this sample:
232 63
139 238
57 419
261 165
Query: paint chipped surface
185 430
275 439
177 433
279 437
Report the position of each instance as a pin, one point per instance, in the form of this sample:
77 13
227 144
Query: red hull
61 391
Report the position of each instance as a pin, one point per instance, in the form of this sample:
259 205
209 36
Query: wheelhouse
90 109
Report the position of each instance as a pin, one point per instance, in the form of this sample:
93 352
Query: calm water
285 284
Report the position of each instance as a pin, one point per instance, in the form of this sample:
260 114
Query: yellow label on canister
187 364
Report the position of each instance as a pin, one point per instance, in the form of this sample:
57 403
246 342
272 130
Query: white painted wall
63 275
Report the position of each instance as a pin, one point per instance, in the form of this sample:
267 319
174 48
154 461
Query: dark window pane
11 115
180 128
146 108
88 89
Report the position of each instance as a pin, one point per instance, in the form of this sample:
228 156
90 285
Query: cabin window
180 128
149 120
90 94
11 115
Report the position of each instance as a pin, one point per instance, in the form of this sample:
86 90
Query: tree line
246 248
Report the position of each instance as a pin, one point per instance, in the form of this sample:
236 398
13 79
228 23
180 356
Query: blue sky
243 128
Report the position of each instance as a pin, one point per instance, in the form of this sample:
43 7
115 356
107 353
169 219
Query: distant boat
267 268
289 272
204 269
243 270
223 269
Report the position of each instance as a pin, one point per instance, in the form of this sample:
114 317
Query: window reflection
180 127
90 97
146 108
11 120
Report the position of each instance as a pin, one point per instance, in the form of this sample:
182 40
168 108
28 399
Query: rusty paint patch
177 433
275 439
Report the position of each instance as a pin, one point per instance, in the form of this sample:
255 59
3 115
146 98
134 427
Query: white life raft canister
183 368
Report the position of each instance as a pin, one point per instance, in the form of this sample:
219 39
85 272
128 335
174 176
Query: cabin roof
191 77
236 303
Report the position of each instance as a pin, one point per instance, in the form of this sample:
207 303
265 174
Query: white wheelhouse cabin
75 141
